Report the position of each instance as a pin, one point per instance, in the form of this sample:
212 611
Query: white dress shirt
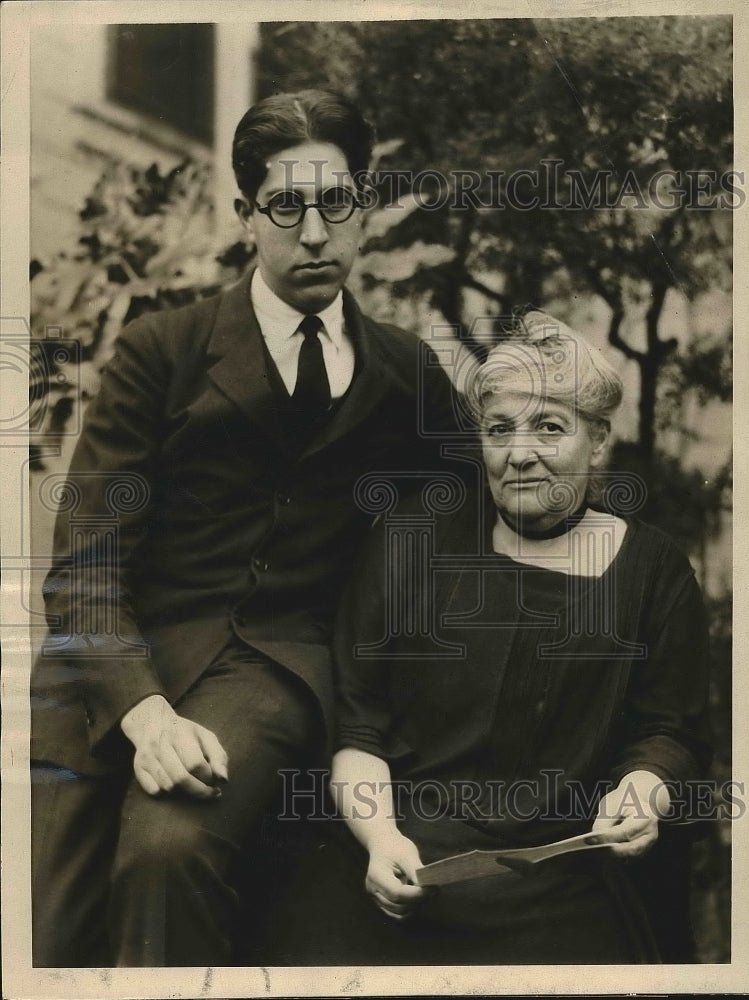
279 325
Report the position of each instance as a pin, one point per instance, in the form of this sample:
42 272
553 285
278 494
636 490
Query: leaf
398 265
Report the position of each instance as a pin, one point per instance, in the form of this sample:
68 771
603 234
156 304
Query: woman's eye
551 427
498 430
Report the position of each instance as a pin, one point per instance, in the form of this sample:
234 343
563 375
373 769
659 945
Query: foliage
611 101
145 243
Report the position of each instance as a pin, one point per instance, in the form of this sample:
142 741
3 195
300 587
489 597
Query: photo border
20 980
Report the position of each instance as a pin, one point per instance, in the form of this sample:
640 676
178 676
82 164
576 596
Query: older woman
561 688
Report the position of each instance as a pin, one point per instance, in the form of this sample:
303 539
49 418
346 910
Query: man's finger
170 761
146 781
151 766
190 753
200 769
213 752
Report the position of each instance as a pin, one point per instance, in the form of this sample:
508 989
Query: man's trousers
121 878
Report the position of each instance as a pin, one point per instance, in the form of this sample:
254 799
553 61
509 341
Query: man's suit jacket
192 508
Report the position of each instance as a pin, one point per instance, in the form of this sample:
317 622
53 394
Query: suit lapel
240 369
374 377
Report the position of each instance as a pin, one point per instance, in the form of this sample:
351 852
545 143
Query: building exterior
140 93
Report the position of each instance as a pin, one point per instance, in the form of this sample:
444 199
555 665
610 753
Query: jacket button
89 717
284 499
260 564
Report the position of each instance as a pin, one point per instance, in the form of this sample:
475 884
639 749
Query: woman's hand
391 875
393 858
628 816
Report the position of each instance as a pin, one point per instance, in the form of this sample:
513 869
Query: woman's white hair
558 363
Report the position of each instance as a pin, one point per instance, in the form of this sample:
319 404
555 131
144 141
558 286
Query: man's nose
314 231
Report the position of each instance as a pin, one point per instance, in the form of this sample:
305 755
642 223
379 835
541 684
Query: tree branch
660 349
616 339
468 281
614 301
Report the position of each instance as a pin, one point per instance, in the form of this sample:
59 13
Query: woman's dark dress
544 685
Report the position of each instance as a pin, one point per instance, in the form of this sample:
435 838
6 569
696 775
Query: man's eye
287 201
336 198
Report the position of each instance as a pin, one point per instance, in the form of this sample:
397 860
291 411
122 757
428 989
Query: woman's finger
389 906
637 841
395 910
392 888
632 827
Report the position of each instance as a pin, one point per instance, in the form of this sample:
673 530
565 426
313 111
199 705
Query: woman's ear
600 433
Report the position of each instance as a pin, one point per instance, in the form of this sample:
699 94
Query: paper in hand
480 864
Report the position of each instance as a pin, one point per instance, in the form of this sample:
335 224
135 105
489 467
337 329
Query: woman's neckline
526 559
562 527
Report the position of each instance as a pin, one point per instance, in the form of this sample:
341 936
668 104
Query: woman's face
538 454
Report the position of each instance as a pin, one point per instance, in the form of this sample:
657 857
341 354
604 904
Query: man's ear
244 213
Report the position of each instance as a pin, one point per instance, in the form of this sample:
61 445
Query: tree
594 109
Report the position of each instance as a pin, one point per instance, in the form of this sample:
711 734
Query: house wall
76 130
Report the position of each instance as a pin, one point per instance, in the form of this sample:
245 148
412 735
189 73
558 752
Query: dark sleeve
665 728
443 405
443 431
88 589
364 715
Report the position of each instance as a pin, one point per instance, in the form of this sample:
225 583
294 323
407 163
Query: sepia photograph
368 546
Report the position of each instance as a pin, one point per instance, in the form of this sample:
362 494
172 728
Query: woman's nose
314 231
523 450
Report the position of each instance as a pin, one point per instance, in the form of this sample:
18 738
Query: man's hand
172 752
628 816
391 876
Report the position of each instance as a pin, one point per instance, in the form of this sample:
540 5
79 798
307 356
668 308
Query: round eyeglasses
287 208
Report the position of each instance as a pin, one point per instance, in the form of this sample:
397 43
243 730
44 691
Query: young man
188 661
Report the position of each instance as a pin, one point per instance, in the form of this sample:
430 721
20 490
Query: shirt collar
279 321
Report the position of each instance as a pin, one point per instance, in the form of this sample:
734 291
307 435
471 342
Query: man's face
305 265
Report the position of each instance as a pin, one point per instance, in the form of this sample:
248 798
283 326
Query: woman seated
560 688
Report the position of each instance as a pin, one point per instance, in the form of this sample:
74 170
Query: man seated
188 660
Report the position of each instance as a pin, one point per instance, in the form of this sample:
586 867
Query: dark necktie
312 389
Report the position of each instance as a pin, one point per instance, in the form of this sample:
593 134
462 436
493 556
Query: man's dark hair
285 120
